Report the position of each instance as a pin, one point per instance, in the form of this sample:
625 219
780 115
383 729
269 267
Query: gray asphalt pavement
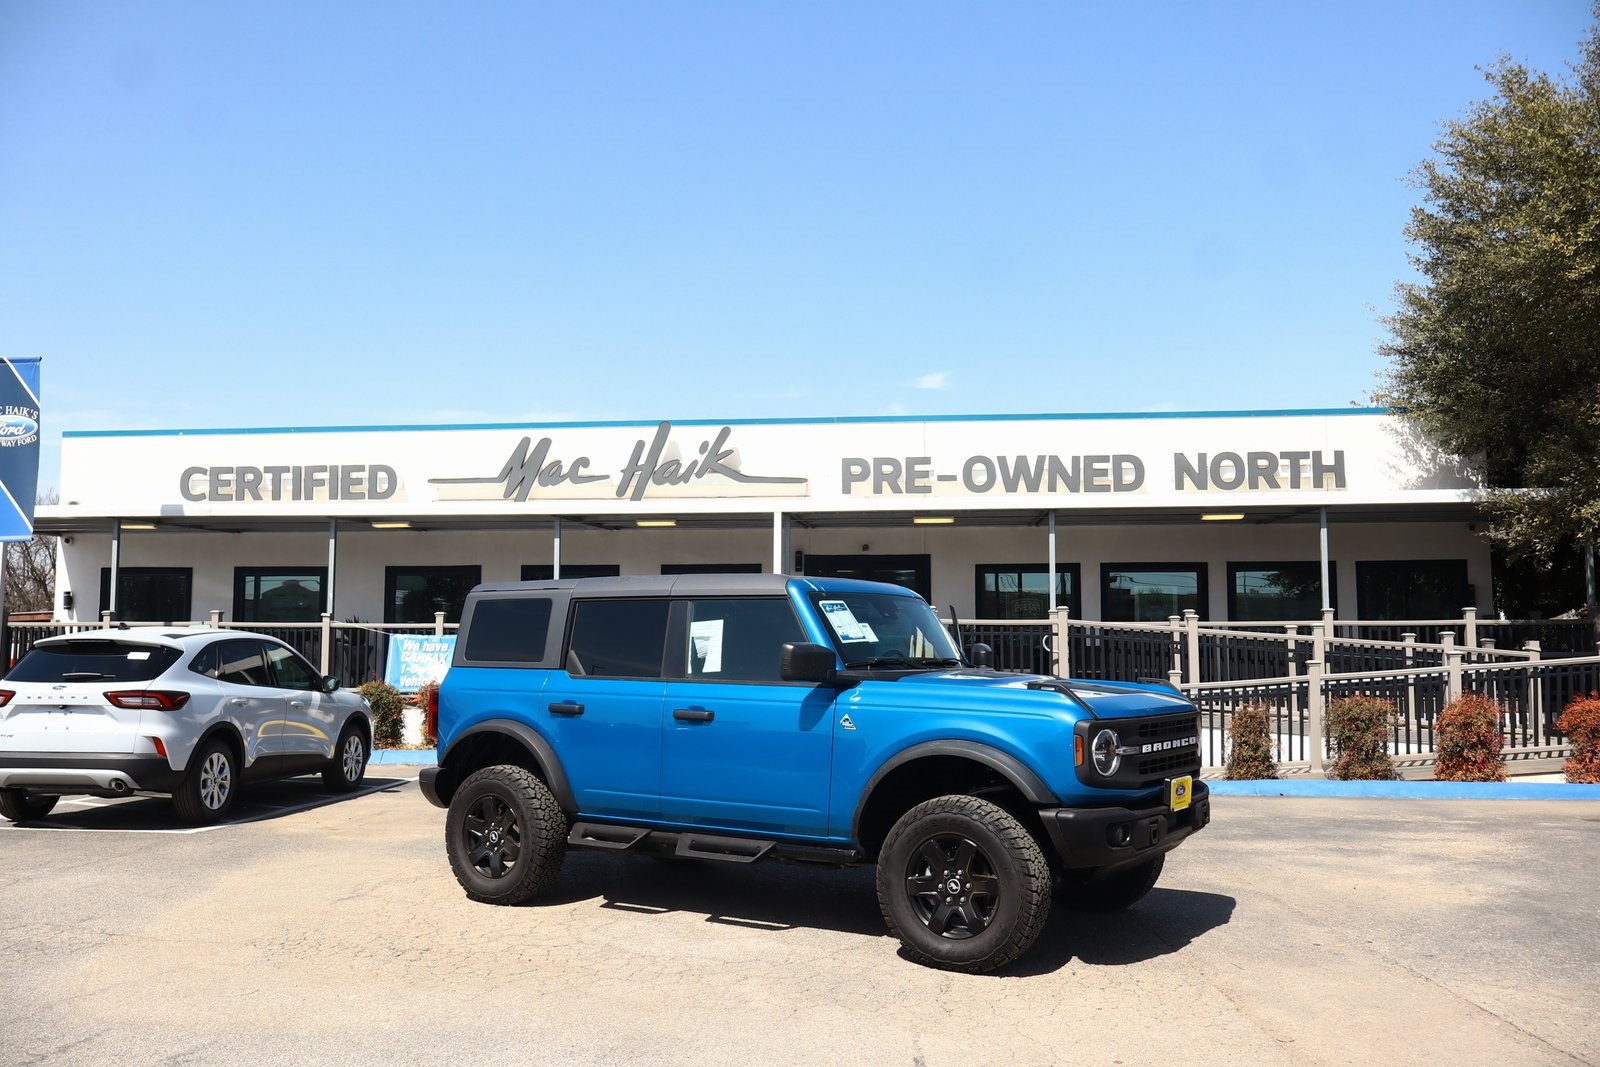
1293 931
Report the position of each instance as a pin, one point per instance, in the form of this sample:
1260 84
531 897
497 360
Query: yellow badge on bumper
1179 792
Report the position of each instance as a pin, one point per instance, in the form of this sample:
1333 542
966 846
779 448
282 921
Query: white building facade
1238 515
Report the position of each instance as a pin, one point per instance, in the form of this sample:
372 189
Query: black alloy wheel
953 886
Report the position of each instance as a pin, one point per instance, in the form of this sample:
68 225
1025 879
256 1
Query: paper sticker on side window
844 622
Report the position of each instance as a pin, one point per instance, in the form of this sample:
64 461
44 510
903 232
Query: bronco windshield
884 630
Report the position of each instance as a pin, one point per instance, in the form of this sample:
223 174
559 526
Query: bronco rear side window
508 630
618 638
93 661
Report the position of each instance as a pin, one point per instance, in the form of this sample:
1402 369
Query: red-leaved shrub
1468 733
1359 728
1580 722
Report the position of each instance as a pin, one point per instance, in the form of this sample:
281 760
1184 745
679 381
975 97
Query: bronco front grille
1153 749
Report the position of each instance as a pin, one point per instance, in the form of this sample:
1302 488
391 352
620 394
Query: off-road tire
349 764
1113 892
506 835
963 885
208 788
19 805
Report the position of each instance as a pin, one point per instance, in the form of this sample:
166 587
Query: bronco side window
736 640
617 638
508 630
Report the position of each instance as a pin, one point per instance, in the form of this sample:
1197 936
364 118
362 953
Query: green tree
1496 351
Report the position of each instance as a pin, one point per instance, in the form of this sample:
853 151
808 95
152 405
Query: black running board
607 837
728 849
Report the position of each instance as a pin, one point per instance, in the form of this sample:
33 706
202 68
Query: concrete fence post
1409 639
1060 647
107 618
1469 624
327 641
1452 662
1327 623
1535 683
1291 632
1191 622
438 624
216 618
1314 711
1176 623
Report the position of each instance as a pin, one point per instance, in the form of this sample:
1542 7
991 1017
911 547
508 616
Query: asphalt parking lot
310 930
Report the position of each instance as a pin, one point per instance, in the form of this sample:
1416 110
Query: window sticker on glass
138 655
844 623
706 637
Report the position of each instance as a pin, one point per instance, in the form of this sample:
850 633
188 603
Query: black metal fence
358 653
1118 654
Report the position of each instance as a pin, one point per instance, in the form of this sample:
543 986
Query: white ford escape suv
188 712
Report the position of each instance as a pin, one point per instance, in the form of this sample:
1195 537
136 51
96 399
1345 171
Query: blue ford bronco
764 717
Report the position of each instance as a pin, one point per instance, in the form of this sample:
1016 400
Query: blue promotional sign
417 659
19 446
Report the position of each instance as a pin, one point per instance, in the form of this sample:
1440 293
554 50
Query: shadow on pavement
777 897
255 803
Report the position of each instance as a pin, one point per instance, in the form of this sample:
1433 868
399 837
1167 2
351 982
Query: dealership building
1243 515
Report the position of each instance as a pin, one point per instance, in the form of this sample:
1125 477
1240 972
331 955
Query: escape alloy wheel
349 764
506 835
963 884
1112 892
207 790
19 805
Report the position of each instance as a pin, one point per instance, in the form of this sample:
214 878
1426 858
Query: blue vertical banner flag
19 446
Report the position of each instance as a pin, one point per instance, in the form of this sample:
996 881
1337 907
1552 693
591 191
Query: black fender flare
550 769
1013 770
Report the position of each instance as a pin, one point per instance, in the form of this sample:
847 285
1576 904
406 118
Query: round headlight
1104 748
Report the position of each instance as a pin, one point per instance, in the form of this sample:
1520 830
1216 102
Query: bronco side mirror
980 654
805 662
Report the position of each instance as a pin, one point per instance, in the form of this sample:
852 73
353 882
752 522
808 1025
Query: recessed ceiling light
648 523
932 520
138 526
399 524
1222 516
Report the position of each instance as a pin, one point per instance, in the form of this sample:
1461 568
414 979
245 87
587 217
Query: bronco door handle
693 715
566 709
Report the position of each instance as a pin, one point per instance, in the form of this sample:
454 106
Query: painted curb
391 757
1317 787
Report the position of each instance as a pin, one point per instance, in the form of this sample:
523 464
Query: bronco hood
1103 700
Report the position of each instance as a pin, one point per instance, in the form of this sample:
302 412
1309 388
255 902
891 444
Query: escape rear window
94 661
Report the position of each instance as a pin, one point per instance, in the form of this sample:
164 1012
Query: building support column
1327 593
333 565
1050 577
555 550
780 543
116 565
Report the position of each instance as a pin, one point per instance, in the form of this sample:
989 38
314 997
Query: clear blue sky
247 214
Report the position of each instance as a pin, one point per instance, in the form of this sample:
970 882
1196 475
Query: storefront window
1277 592
414 594
544 572
279 595
915 572
1022 590
1151 592
149 594
1412 589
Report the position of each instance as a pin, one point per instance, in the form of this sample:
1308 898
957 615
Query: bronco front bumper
1110 837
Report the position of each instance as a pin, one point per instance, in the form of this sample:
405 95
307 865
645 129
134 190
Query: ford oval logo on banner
17 426
19 446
